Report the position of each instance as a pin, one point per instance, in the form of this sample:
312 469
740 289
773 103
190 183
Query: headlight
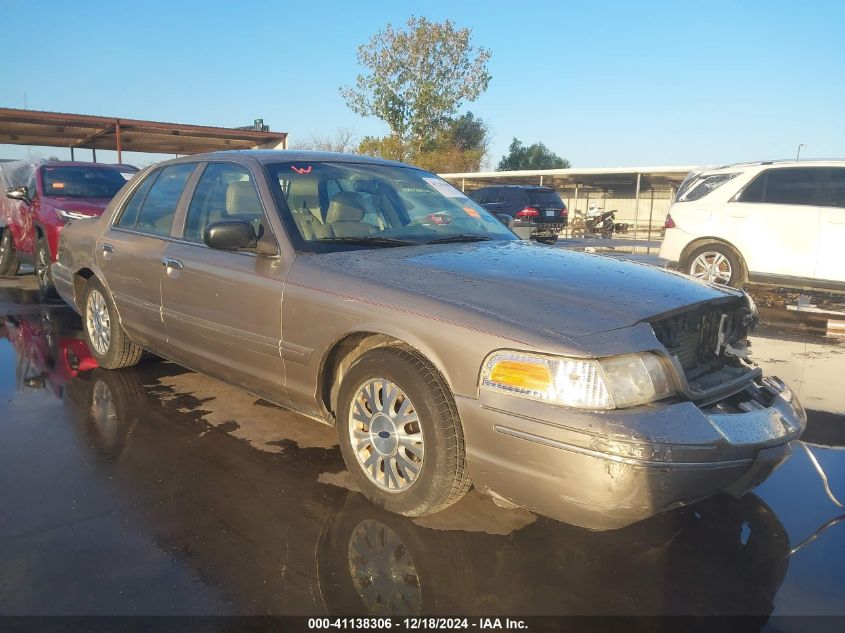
74 215
608 383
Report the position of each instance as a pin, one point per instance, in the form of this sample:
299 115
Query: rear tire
43 272
409 446
9 263
104 334
716 263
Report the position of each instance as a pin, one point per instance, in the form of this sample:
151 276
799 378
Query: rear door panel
778 233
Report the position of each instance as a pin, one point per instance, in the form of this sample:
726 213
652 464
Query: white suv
775 222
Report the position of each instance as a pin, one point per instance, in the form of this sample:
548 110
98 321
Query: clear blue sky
601 83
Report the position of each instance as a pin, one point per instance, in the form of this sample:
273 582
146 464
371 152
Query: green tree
536 156
415 80
459 144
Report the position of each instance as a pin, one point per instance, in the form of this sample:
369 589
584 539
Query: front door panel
223 313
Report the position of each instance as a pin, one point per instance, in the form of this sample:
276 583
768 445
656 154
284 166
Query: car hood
89 206
527 285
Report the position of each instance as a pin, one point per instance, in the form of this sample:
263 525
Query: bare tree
344 140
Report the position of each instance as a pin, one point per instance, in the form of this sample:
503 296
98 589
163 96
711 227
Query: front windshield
360 204
83 182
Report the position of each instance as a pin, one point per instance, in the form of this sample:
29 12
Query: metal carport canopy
57 129
601 179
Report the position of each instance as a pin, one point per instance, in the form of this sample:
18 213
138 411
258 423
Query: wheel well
703 241
80 278
341 357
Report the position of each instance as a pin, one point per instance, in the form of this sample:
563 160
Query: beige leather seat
346 214
242 199
242 203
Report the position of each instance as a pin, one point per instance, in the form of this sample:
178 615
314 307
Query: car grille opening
698 340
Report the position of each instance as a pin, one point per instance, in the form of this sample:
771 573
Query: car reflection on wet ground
155 490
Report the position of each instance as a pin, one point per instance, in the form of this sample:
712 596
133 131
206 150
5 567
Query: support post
650 213
94 149
117 140
637 206
71 153
541 180
463 184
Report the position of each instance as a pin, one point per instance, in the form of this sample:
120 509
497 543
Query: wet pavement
155 490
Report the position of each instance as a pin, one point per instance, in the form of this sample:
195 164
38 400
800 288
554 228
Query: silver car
375 297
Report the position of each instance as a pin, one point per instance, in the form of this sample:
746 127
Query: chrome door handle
108 251
169 262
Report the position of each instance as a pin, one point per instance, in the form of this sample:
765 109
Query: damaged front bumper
607 469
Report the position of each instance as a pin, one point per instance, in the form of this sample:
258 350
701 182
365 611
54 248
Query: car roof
77 163
265 156
835 162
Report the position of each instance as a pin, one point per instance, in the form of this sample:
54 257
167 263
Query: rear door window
755 191
129 217
793 186
837 187
159 206
789 185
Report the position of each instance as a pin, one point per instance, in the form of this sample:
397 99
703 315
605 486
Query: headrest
346 206
242 199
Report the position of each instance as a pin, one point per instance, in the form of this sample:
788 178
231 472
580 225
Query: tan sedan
375 297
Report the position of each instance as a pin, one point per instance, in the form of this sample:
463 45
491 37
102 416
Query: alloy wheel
98 322
712 266
385 434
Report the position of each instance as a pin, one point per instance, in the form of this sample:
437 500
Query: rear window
83 182
545 199
698 186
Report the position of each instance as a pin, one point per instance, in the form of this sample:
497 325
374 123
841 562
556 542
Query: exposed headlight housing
74 215
608 383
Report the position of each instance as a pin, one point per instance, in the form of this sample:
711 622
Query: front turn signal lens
522 375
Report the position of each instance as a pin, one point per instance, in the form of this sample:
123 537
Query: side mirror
230 235
505 219
18 193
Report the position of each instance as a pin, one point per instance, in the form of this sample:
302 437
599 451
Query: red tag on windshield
301 170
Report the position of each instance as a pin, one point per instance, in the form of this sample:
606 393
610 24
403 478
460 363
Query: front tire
43 273
105 337
400 434
9 263
716 263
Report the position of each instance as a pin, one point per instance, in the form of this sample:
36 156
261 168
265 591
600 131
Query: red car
40 198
